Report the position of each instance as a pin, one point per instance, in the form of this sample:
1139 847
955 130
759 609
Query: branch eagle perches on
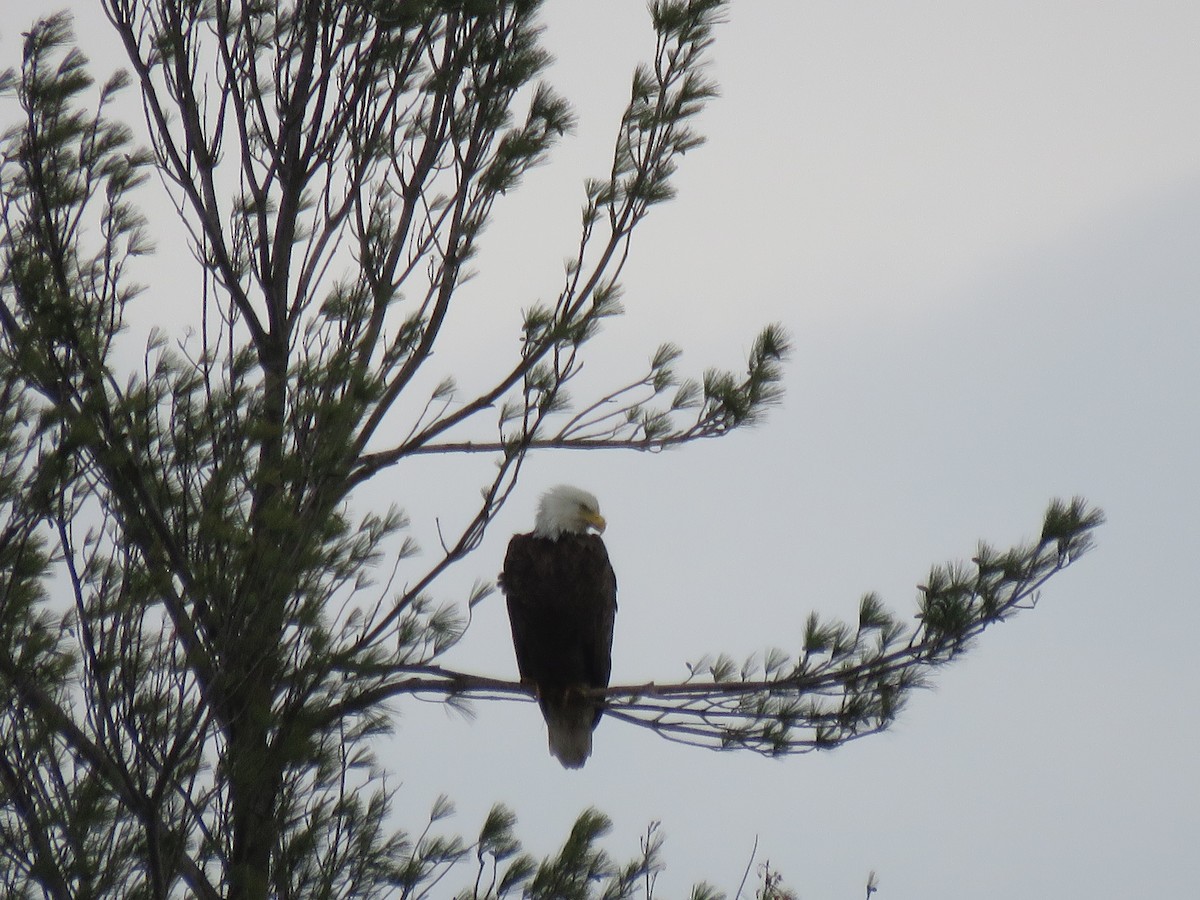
847 681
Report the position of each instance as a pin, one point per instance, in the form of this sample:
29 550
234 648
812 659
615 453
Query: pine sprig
850 681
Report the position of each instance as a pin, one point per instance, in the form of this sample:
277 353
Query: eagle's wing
516 583
605 610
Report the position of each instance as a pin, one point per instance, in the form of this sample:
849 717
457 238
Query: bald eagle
562 602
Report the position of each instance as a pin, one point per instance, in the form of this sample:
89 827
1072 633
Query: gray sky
980 224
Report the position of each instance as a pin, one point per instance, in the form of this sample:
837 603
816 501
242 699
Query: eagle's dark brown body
562 603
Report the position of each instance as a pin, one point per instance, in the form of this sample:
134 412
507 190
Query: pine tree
192 675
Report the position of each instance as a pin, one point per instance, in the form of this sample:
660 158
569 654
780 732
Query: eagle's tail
569 722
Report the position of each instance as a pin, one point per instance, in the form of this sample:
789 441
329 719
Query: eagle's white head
567 509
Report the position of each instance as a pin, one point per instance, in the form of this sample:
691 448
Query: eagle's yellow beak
595 520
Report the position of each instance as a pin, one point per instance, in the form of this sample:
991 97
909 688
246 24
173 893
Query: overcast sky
980 222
